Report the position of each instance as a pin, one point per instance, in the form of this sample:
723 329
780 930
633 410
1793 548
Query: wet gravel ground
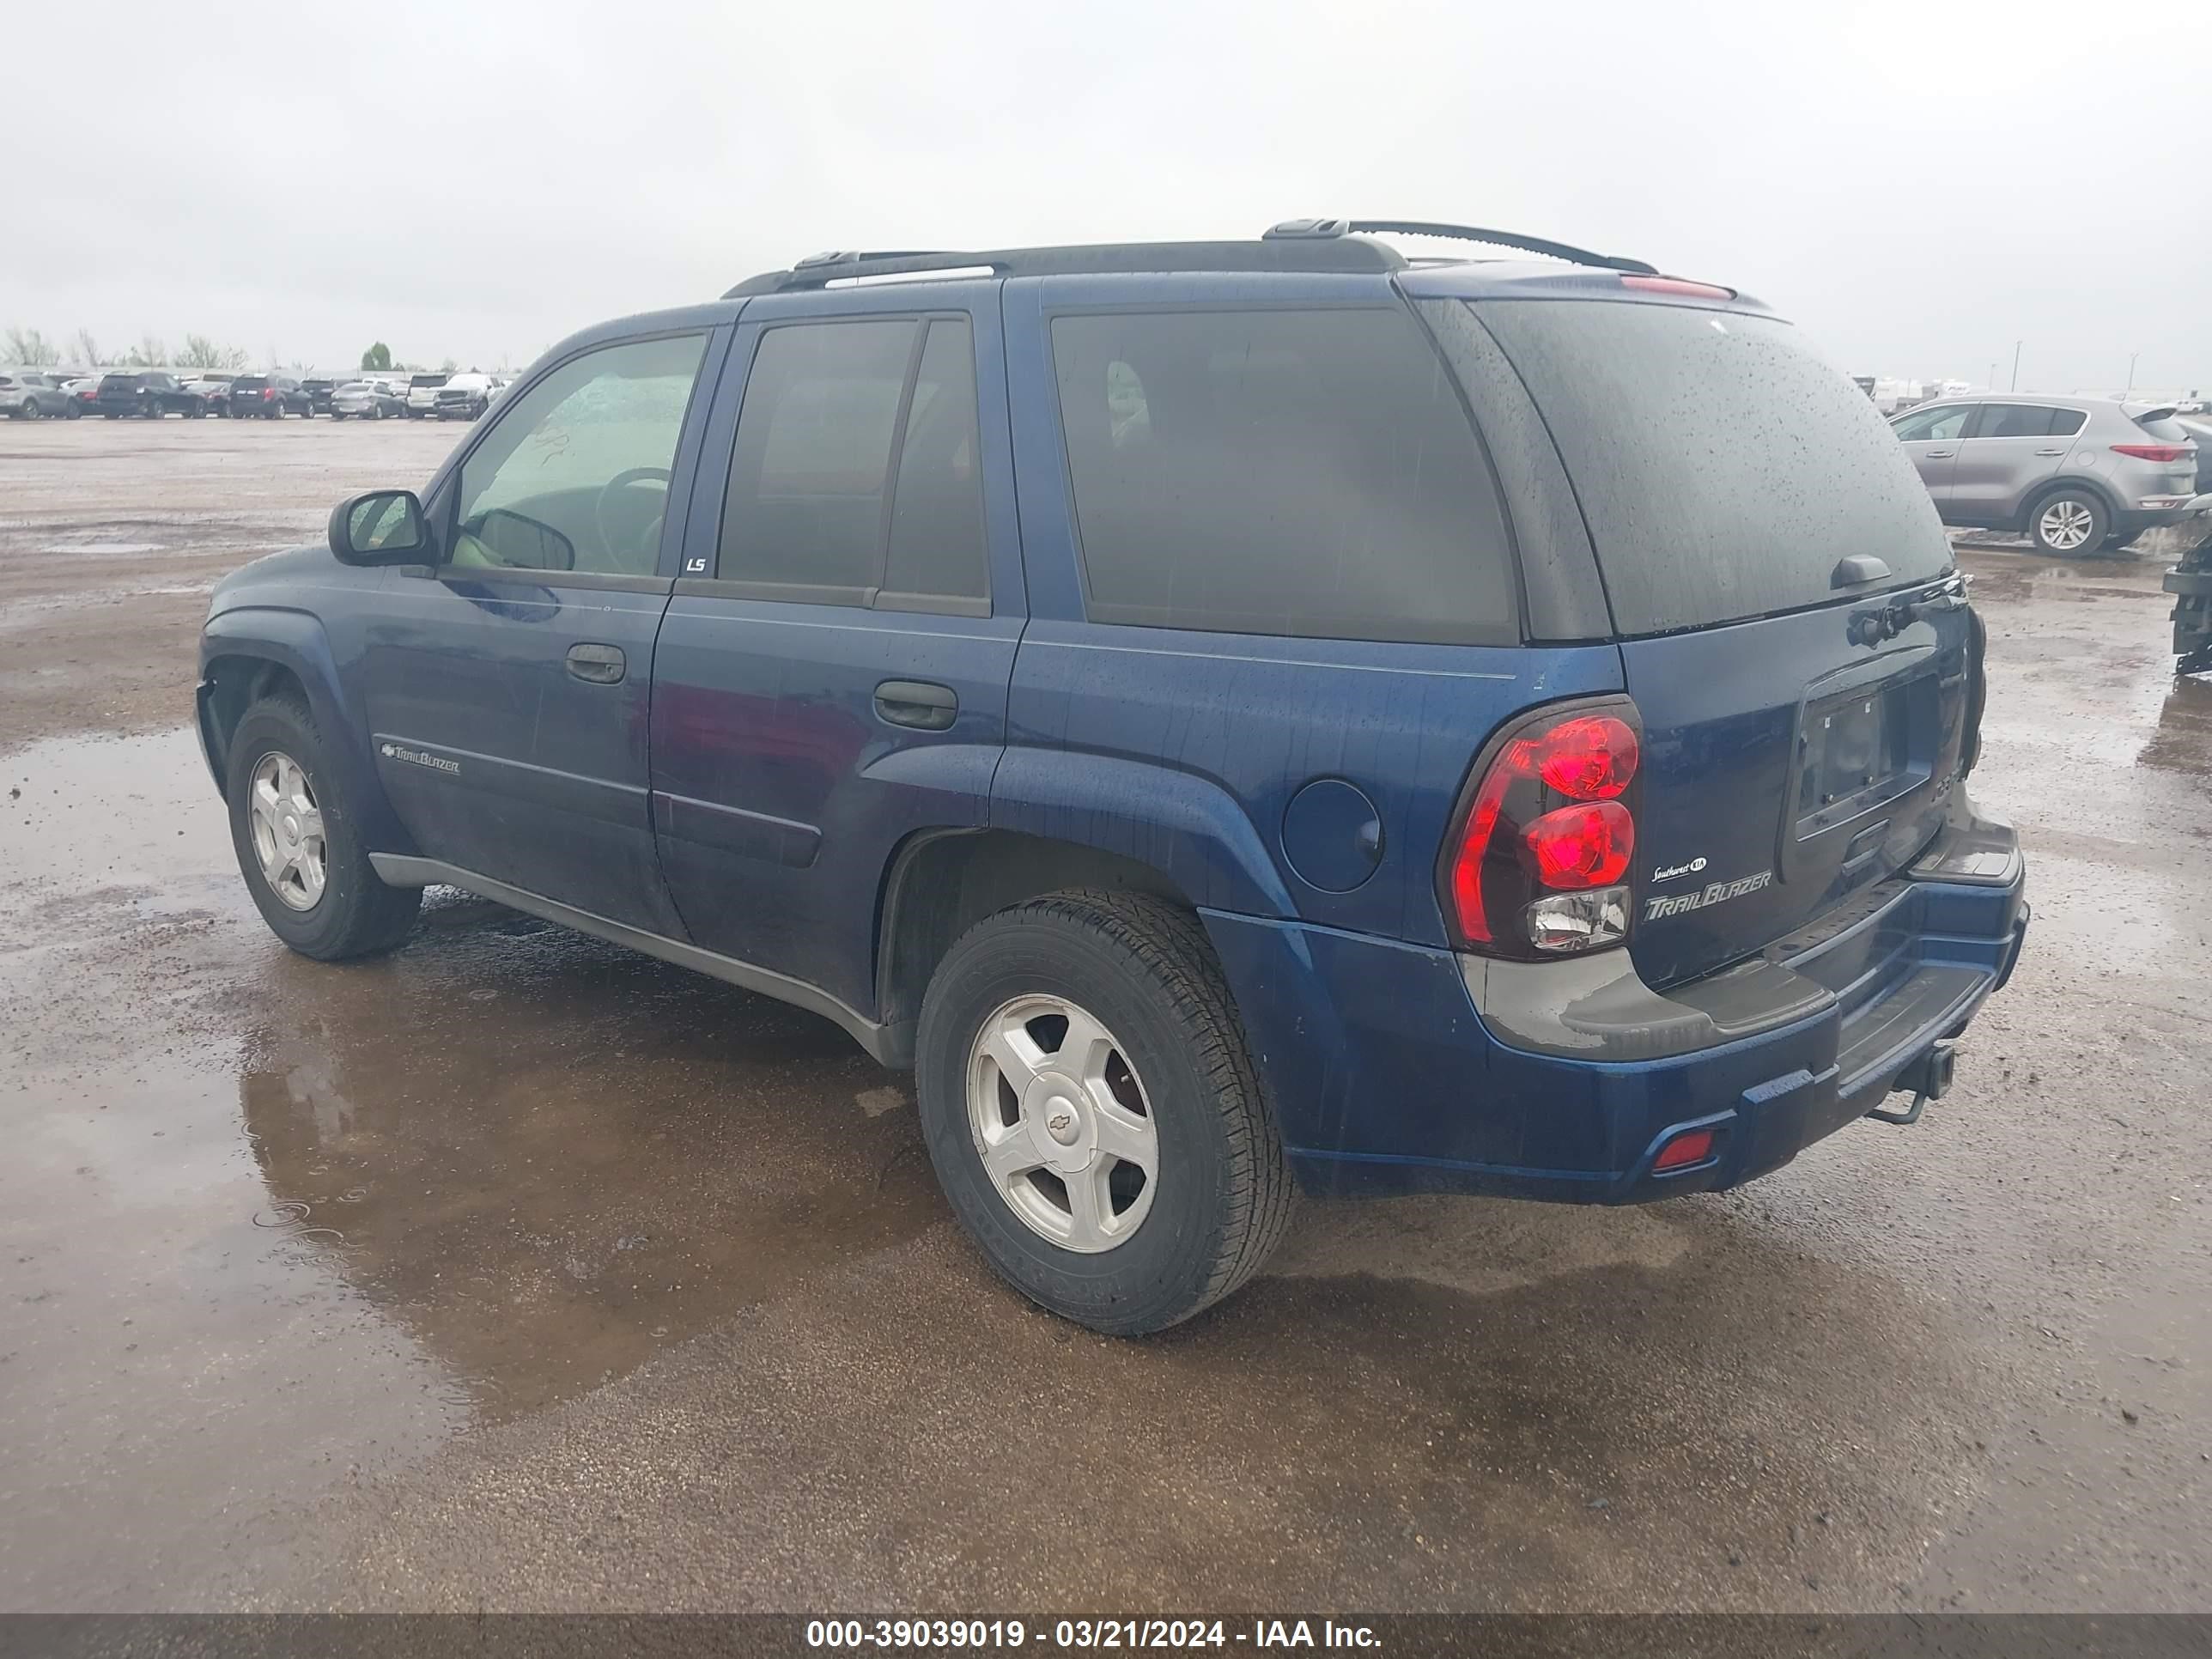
515 1271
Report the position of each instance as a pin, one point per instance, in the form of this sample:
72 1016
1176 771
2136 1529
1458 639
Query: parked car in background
368 400
2199 428
1376 756
84 394
2073 474
213 390
148 394
267 397
463 397
27 394
423 395
319 395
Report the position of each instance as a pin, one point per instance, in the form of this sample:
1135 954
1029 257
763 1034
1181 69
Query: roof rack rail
848 257
1278 254
1328 229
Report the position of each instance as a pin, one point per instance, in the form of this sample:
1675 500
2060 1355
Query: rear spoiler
2153 412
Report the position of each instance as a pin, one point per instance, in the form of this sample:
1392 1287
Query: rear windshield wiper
1886 622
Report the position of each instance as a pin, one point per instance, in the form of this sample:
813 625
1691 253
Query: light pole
2016 346
2132 356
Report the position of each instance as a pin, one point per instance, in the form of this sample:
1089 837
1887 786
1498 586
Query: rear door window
2021 420
855 477
1724 467
1310 473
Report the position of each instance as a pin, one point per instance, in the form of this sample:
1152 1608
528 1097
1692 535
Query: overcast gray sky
1920 185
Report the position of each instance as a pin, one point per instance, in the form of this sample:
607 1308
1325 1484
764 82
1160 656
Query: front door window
574 475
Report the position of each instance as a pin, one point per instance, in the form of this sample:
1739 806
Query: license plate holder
1855 753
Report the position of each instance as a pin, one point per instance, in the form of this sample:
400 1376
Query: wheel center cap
291 828
1062 1121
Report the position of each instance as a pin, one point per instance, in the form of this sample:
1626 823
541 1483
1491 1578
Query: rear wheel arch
941 883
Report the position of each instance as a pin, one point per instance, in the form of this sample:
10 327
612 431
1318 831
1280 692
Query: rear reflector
1684 1149
2155 452
1677 285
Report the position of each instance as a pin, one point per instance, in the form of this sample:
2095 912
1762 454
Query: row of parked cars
150 394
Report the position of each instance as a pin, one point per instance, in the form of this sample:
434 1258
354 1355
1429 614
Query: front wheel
2069 521
1094 1115
30 410
298 841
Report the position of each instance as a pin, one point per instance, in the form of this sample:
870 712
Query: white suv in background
422 394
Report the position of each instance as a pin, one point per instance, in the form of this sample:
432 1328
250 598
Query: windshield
1724 467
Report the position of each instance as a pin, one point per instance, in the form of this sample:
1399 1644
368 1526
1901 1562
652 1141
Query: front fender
1191 830
294 640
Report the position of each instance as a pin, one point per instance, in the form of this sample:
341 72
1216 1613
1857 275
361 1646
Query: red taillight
1684 1149
1591 758
268 392
1585 845
2155 452
1548 819
1678 285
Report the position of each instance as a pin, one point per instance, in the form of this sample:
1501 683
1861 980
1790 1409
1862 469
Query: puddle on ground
548 1157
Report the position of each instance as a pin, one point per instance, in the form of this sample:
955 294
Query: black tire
152 411
1144 969
357 915
31 411
2040 517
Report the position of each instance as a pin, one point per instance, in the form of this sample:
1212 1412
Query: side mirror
385 526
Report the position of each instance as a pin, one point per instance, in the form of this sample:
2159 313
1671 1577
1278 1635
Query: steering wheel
636 475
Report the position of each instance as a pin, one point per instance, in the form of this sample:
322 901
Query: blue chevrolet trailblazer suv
1231 717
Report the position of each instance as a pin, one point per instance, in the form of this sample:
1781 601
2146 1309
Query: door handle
2050 451
597 664
918 703
1940 454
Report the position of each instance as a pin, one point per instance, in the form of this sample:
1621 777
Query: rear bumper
1389 1074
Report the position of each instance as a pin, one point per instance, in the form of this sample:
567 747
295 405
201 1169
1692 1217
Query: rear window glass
1723 466
118 383
1309 473
2166 431
428 379
249 383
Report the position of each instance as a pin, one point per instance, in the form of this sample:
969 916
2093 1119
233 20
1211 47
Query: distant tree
377 356
200 352
86 348
448 367
28 347
148 353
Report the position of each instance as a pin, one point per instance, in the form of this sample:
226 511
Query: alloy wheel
288 831
1062 1125
2066 524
